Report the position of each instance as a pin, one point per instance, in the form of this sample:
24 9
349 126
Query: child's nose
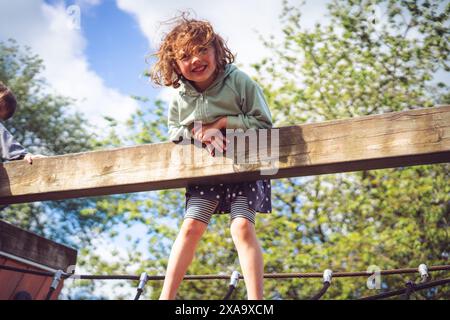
195 59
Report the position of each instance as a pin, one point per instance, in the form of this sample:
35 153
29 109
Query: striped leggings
202 209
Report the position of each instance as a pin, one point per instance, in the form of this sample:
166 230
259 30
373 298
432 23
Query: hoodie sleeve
256 113
10 148
177 132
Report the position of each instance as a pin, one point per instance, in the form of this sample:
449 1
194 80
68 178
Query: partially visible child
10 149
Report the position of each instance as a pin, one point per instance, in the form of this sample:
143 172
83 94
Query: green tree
360 63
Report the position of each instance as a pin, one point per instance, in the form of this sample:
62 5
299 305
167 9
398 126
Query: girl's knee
193 228
242 228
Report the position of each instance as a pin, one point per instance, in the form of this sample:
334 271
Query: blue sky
116 48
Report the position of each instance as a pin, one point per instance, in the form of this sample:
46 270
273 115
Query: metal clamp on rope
233 283
327 274
56 279
142 281
234 278
423 270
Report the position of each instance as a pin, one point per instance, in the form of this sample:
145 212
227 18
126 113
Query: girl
196 61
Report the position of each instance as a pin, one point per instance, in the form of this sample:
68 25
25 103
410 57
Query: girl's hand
210 148
29 157
199 132
210 135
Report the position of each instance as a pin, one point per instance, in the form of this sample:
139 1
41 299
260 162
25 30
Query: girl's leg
196 220
181 256
249 250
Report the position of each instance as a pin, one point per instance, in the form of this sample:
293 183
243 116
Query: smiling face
190 51
199 67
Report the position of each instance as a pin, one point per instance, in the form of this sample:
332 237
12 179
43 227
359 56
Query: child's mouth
199 69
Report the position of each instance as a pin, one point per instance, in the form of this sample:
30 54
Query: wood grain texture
406 138
11 282
34 248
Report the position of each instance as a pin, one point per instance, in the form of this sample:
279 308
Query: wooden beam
406 138
27 246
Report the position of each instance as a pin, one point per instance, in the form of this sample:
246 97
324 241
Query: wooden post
25 250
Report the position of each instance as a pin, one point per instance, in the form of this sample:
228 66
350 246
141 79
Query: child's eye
184 57
203 50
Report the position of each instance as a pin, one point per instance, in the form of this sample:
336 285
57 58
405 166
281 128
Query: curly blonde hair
187 37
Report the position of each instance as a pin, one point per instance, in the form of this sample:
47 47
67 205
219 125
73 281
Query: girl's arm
9 147
177 132
256 113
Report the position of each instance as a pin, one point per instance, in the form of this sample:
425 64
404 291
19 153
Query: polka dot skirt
257 193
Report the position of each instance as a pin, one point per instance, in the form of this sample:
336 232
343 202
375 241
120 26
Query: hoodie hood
187 88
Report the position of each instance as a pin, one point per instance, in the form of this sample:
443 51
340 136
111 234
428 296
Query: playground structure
406 138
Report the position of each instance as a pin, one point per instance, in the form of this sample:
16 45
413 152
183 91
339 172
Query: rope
138 294
409 289
224 277
49 294
229 292
418 287
410 286
322 291
142 282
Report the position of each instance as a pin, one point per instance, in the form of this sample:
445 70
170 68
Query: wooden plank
38 286
56 293
13 282
30 283
43 290
396 139
32 247
9 280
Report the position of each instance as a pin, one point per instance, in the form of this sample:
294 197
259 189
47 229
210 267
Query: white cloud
49 31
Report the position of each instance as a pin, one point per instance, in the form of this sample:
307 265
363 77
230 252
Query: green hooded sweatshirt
232 94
